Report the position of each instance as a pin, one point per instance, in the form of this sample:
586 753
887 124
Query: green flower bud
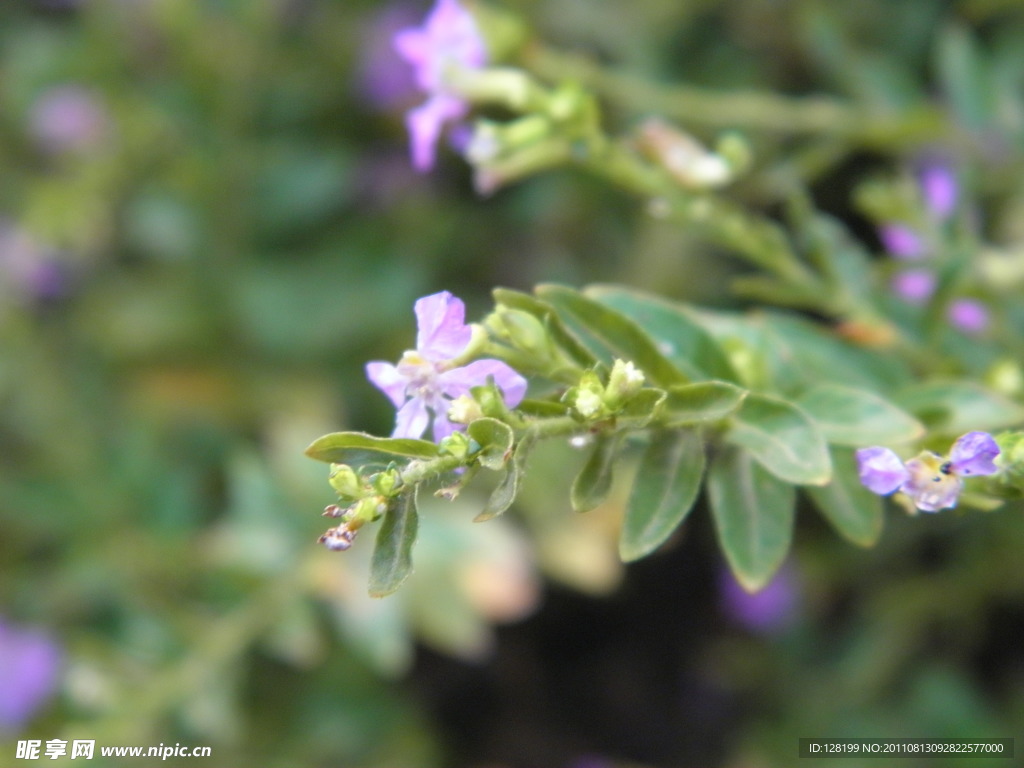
345 481
464 409
624 381
456 444
525 331
385 482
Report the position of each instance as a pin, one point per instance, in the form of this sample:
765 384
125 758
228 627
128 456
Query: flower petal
389 380
443 334
901 241
458 381
412 419
928 486
881 470
973 454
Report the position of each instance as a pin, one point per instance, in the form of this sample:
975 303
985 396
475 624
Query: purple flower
939 189
67 117
931 481
449 38
768 611
914 285
29 665
901 241
425 380
968 315
386 82
32 270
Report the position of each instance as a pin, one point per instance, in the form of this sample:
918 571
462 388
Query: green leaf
495 439
677 331
849 416
700 402
966 76
358 448
391 563
641 408
610 334
853 510
592 484
664 490
954 407
782 438
547 315
753 513
504 494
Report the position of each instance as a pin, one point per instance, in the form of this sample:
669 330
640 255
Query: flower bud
624 381
464 409
345 481
385 482
525 331
456 444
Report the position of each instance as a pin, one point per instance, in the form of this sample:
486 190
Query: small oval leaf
853 510
664 490
504 494
357 448
495 440
700 402
391 563
782 438
609 334
592 484
753 512
677 332
546 313
849 416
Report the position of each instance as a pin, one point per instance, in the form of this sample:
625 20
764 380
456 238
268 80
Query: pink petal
425 123
973 454
412 419
881 470
389 380
442 332
458 381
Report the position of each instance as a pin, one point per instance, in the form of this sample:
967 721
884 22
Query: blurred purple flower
386 82
969 315
67 117
939 189
424 382
914 285
448 38
901 241
769 611
31 270
931 481
29 666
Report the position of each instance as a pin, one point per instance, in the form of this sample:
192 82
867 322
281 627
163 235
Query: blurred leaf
965 75
853 510
753 513
782 438
664 490
547 315
955 407
854 417
677 332
357 448
592 484
391 563
300 185
703 401
610 335
495 439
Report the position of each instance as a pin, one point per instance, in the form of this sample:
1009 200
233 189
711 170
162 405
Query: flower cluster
932 482
448 39
917 284
428 379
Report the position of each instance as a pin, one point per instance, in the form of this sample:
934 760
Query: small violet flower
770 611
426 381
901 241
29 666
448 38
931 481
67 118
939 189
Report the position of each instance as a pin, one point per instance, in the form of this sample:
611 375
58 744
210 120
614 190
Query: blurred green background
209 223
